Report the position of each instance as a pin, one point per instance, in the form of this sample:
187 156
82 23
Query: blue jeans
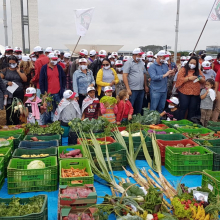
157 100
190 103
136 100
38 93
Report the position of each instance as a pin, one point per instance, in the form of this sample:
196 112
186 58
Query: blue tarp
102 190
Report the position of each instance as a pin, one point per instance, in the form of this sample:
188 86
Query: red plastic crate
186 135
109 139
162 145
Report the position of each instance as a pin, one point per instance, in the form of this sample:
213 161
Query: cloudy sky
131 23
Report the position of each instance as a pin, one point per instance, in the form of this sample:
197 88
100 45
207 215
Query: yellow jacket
101 84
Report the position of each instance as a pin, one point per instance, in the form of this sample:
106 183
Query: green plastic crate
214 123
214 186
170 137
76 163
2 172
52 151
214 128
13 132
195 131
42 215
16 141
45 138
10 144
67 149
136 139
216 157
21 179
180 122
215 142
168 130
7 156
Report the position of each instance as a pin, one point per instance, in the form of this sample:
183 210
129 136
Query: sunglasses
105 64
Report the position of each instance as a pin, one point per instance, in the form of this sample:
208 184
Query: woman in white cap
106 76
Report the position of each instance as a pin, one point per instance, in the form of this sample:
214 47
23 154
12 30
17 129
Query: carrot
74 172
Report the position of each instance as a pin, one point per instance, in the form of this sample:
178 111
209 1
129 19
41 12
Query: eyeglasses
105 64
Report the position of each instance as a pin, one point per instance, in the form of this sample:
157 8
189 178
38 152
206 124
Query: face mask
150 59
167 58
34 59
8 55
112 62
101 59
107 95
192 66
119 69
162 61
205 71
12 65
107 67
126 99
138 58
31 98
171 106
19 56
53 62
58 60
83 67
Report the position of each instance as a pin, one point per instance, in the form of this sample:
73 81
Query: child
34 110
125 109
108 111
172 112
207 98
208 72
90 105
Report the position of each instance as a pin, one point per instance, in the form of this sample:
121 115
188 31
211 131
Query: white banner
83 19
215 13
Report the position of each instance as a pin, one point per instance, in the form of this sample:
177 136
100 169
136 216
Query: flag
83 19
215 13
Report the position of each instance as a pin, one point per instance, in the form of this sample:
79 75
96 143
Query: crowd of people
187 90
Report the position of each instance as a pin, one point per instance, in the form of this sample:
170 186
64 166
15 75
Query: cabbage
36 164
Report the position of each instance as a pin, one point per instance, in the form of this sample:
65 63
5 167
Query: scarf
88 101
34 107
63 104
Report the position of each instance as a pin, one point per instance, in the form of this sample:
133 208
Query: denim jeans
38 93
190 103
136 100
157 100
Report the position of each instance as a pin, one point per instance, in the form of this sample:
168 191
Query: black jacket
3 92
3 63
95 67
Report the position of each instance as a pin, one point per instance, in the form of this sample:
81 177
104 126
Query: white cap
17 49
168 53
206 65
83 60
138 51
108 88
102 53
30 91
111 56
162 53
118 62
69 94
183 58
56 52
53 55
208 58
155 55
90 89
7 48
184 63
67 55
174 100
125 58
26 58
83 52
38 49
190 53
188 57
149 64
49 50
114 54
150 54
92 53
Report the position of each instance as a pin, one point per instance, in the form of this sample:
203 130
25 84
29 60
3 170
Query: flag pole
204 27
76 46
177 30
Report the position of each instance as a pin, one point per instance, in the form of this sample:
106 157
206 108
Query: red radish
185 208
80 155
189 201
187 205
34 139
73 152
194 200
196 204
182 203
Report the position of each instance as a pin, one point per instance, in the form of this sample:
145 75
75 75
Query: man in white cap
41 60
134 78
208 72
92 55
18 53
4 59
53 81
48 50
68 64
158 86
59 59
115 54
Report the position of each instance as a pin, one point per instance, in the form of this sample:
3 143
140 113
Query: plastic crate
161 127
216 157
16 140
52 151
168 130
12 132
108 139
38 144
195 131
170 137
214 186
136 139
180 122
215 143
2 171
67 149
7 143
7 156
163 144
214 128
215 135
21 179
42 215
76 163
45 138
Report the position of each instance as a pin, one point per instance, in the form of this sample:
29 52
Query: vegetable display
75 192
210 136
34 155
78 216
109 100
194 126
157 132
181 145
189 153
133 190
71 154
36 164
74 172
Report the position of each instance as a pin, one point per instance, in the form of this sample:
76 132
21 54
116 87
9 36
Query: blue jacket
43 80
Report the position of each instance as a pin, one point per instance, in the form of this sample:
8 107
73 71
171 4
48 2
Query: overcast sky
131 23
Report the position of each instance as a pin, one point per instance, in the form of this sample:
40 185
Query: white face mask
58 60
31 98
101 59
112 62
138 58
107 95
119 69
83 67
162 61
107 67
126 99
53 62
19 56
150 59
13 65
167 58
34 59
171 106
7 55
192 66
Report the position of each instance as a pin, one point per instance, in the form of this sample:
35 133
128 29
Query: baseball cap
190 53
183 58
150 54
26 58
68 94
125 58
67 55
32 54
149 64
92 53
184 63
118 62
108 88
8 48
102 53
206 65
56 52
111 56
83 52
30 91
138 51
38 49
17 49
83 60
173 100
53 56
162 53
114 54
90 89
49 50
188 57
207 58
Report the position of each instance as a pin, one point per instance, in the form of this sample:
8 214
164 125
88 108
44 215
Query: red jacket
124 109
42 60
216 66
62 65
